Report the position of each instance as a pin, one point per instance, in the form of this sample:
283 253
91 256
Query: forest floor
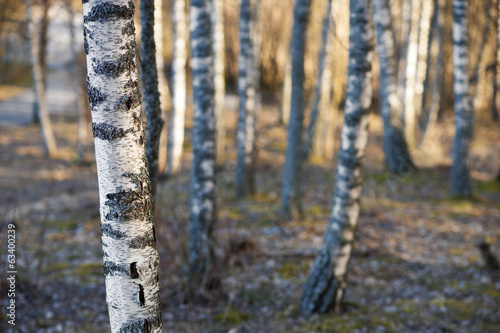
415 267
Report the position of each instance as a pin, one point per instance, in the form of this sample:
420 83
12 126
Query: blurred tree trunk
396 153
202 189
49 141
411 74
219 79
286 92
464 113
496 67
76 81
151 95
177 117
319 122
131 260
42 35
325 285
432 91
403 50
165 98
423 54
247 119
293 155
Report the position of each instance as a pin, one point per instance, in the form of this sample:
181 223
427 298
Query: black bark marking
142 300
133 270
143 241
141 325
133 99
115 68
125 205
107 230
107 11
96 97
107 132
129 29
86 34
114 269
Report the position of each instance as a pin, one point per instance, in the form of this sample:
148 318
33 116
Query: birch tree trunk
286 92
496 68
76 81
397 157
149 76
245 137
131 260
165 99
460 177
202 187
219 79
316 131
48 139
411 75
325 285
293 155
177 117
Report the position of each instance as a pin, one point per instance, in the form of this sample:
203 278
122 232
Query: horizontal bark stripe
107 11
143 325
126 205
115 68
96 97
108 132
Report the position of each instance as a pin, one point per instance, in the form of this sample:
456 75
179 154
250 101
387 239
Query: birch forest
249 166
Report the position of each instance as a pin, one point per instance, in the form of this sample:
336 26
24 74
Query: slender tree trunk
76 81
293 155
149 76
423 54
411 75
202 189
165 99
219 79
176 125
286 92
431 97
322 93
460 177
325 285
246 116
496 68
49 141
131 260
396 153
403 50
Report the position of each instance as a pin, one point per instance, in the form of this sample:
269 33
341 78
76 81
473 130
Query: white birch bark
290 197
460 178
423 52
219 79
325 285
165 99
202 188
177 116
397 157
48 139
245 135
131 260
411 74
319 120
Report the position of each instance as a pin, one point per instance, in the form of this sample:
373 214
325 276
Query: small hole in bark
133 270
141 295
129 103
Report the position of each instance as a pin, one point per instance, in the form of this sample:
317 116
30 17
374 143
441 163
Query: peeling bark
131 260
325 285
